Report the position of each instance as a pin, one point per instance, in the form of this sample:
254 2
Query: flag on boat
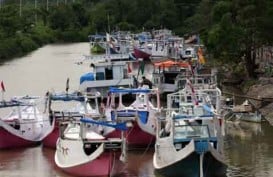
3 86
129 68
201 58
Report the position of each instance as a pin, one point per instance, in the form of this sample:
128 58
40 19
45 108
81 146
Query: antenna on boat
108 23
3 90
67 85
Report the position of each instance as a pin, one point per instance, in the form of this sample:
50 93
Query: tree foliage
231 30
234 29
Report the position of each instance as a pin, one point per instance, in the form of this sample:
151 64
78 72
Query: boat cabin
105 75
165 74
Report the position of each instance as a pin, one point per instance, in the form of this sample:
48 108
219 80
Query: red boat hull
8 140
136 138
100 167
138 53
51 139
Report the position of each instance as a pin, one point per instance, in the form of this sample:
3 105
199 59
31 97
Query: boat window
191 131
99 76
188 52
199 81
108 74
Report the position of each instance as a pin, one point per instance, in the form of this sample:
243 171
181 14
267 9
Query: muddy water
248 146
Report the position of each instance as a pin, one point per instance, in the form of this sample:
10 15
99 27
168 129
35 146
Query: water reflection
24 162
140 163
249 150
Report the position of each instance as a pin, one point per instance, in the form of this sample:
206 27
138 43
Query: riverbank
263 88
25 42
258 90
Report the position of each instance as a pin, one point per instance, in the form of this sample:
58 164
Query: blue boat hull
189 167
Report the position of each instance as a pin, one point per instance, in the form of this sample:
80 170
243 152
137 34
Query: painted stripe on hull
8 140
189 167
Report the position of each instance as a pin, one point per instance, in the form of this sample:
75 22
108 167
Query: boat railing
104 57
66 115
190 131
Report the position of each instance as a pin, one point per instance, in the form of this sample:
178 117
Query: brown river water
248 146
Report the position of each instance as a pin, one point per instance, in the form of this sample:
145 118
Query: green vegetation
234 29
231 30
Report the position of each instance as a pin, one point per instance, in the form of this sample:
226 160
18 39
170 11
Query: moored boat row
92 129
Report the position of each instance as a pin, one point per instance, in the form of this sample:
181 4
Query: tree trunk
250 56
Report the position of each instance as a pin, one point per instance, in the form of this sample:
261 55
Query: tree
235 29
62 18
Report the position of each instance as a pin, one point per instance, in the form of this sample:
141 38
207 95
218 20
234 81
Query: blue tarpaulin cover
87 77
120 126
128 90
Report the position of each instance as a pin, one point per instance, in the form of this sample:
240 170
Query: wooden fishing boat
141 114
165 73
82 151
24 125
189 140
64 106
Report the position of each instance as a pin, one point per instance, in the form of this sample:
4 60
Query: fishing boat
24 125
140 114
171 75
189 139
81 151
242 112
245 112
65 106
165 74
97 43
107 74
255 116
141 52
116 43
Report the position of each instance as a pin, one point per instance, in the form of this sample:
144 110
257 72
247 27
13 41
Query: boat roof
110 63
19 101
193 117
129 90
120 126
6 104
76 96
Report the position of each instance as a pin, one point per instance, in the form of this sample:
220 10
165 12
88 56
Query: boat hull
100 167
8 140
136 138
91 159
51 139
249 117
141 54
190 167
